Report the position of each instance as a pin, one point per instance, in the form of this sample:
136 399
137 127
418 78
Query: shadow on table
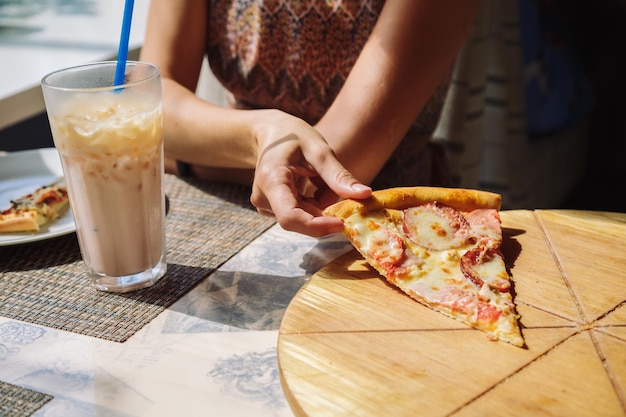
43 254
231 301
236 300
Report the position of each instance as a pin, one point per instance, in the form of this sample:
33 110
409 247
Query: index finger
301 216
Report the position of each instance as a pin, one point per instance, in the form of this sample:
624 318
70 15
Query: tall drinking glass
110 140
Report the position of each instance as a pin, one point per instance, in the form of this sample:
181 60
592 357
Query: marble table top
212 352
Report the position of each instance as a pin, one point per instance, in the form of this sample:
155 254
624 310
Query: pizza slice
28 213
440 246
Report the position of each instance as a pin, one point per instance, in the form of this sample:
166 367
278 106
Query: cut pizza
28 213
440 246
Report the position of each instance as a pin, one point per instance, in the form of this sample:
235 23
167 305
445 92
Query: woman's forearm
409 52
201 133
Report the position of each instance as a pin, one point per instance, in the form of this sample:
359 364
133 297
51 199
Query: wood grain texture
350 344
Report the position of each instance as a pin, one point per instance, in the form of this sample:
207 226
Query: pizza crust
400 198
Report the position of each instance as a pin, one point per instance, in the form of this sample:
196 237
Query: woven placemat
16 401
45 283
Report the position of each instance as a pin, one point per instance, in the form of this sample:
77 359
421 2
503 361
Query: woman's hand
297 175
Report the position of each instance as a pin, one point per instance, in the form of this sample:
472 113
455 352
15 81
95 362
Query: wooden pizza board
351 345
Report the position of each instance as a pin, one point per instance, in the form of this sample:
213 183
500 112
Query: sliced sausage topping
483 265
435 226
386 247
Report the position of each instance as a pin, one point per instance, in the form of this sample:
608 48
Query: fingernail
359 187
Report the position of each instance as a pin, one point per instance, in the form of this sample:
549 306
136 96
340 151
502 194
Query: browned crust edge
24 221
399 198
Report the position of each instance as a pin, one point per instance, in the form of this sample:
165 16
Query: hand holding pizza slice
440 246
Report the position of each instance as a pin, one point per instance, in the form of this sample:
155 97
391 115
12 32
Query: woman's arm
284 149
195 131
412 47
414 42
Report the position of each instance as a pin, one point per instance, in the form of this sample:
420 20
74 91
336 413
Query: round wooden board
352 345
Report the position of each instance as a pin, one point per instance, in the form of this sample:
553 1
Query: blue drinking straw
122 53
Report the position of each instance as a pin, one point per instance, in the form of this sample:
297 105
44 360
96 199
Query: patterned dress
295 55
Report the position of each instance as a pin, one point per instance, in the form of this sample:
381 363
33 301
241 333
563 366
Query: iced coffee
110 141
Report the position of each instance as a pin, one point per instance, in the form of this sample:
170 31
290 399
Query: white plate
20 174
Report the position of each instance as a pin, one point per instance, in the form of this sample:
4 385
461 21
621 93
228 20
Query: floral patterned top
295 55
